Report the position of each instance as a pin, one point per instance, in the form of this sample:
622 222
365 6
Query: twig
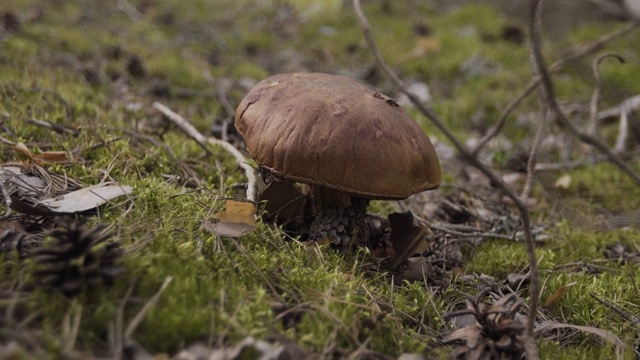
593 107
567 165
185 126
630 104
55 127
581 52
549 90
623 132
475 233
533 155
623 314
542 122
221 90
474 161
137 320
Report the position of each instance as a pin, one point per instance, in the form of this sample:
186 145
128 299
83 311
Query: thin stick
522 207
623 132
533 155
595 97
137 320
549 90
185 126
631 104
581 52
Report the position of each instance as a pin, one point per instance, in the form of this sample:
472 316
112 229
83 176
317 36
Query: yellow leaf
238 212
238 219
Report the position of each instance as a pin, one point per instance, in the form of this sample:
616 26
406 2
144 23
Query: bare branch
549 90
579 53
595 97
185 126
474 161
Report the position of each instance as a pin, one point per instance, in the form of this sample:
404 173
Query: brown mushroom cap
332 131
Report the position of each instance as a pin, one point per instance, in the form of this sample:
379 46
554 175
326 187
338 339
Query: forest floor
84 93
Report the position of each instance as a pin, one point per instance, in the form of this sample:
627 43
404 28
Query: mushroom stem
339 216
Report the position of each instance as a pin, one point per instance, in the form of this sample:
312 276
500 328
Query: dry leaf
406 237
86 199
604 334
24 150
418 269
551 301
238 212
284 202
238 219
563 182
53 156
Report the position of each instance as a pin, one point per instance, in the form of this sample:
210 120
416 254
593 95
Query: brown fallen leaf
417 268
238 219
24 150
283 203
406 237
551 301
53 156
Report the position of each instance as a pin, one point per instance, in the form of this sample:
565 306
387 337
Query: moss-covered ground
96 67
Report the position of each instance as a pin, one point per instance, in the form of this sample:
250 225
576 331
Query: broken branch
185 126
474 161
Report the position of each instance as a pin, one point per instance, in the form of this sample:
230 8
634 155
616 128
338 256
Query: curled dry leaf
238 219
24 150
553 299
54 156
46 156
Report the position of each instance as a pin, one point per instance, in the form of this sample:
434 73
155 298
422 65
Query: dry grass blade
603 334
137 320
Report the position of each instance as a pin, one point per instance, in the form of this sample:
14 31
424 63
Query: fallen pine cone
496 333
78 258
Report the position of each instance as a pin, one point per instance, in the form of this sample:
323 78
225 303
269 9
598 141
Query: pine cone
11 241
496 333
79 258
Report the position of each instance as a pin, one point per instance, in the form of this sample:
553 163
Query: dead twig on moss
549 91
629 104
582 51
137 320
202 140
595 96
474 161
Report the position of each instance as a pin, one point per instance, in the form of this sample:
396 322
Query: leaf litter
33 190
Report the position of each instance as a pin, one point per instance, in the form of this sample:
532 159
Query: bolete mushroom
347 142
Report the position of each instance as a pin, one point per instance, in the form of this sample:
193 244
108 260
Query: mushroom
349 144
